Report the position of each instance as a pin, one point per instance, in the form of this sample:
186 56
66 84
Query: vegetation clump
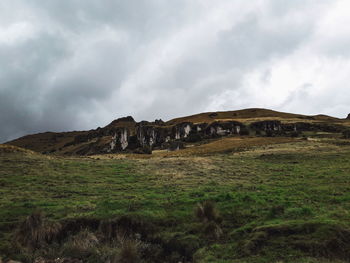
208 214
35 232
128 252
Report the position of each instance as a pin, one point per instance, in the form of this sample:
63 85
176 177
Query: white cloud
17 32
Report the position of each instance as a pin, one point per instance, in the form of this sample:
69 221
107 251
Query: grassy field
277 201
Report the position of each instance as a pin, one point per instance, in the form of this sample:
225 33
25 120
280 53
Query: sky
79 64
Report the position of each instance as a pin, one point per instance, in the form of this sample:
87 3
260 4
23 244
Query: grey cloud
87 62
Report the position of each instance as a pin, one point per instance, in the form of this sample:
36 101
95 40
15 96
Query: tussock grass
129 251
207 212
35 232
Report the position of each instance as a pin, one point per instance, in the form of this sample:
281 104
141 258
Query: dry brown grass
248 115
35 232
129 252
225 145
42 142
6 148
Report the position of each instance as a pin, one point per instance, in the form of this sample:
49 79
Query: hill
127 135
230 199
248 115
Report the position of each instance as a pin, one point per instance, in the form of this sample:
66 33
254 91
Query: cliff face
127 135
133 136
144 136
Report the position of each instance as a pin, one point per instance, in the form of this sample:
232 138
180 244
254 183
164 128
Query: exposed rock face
348 118
267 125
125 134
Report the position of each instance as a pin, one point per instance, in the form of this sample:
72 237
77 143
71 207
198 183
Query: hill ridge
125 134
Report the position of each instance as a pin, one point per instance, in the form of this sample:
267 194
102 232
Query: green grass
276 204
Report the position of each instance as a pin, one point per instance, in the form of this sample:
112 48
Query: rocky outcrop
267 126
127 135
279 128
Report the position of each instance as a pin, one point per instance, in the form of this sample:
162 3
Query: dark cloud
68 65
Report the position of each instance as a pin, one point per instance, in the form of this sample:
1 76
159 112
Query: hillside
242 186
249 115
266 199
127 135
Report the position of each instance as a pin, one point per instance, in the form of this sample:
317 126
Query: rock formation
127 135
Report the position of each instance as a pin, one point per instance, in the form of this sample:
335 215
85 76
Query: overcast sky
79 64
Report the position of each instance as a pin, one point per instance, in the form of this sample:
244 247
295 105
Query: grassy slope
251 115
42 142
271 197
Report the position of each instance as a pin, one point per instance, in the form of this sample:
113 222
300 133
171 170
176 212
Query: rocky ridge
127 135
